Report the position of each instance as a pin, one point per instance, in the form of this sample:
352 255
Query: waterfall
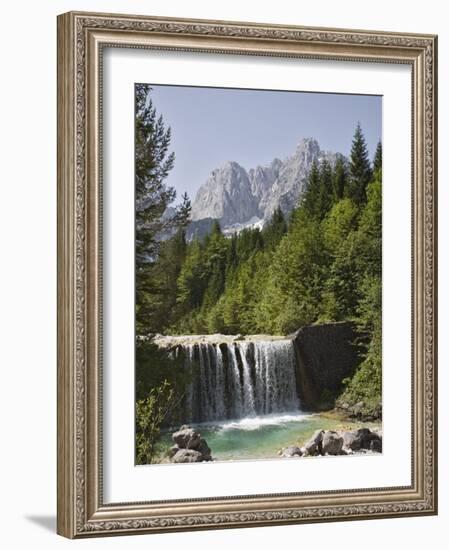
240 379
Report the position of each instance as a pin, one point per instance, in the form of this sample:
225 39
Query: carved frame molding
81 39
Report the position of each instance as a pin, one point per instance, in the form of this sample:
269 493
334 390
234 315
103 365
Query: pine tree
340 178
318 196
215 260
231 257
274 230
153 163
360 172
377 163
326 189
191 283
311 197
248 242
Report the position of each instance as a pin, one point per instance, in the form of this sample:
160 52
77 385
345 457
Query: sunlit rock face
238 198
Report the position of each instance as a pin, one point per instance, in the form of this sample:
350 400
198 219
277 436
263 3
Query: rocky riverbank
189 445
341 442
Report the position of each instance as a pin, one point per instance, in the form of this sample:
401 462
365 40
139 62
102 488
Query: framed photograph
246 274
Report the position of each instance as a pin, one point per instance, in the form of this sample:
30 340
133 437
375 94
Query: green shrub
151 413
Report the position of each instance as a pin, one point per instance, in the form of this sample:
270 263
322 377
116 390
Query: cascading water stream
240 379
249 405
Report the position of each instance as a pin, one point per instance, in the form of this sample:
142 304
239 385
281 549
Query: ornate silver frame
81 37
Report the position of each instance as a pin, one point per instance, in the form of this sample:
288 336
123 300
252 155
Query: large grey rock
290 452
187 455
173 450
204 449
376 445
331 443
314 446
187 438
351 441
362 439
366 436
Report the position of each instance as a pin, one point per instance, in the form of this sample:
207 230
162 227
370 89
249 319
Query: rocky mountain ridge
241 198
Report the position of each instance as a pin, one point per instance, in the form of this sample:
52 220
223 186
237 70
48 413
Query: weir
240 379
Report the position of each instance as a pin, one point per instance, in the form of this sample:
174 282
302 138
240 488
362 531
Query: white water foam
256 422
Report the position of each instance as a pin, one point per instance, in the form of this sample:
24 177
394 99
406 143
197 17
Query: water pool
263 436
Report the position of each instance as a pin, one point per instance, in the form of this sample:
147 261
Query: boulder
187 455
290 452
331 443
313 446
187 438
366 436
360 439
173 450
204 449
351 441
376 445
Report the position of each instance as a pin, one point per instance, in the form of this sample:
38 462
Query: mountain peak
227 166
232 164
234 196
308 144
226 195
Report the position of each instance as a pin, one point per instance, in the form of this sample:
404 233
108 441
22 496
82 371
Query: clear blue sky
213 125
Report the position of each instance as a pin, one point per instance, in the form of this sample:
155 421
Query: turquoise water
263 436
